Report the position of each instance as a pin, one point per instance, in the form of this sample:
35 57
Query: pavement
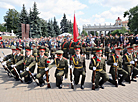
15 91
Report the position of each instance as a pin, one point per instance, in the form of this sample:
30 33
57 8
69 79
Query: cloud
6 6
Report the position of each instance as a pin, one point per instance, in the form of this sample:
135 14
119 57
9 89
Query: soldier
107 50
116 61
42 64
53 50
78 61
88 51
71 48
79 41
34 52
98 63
131 40
97 41
29 65
128 62
18 57
21 47
62 68
8 57
83 50
47 50
65 48
116 40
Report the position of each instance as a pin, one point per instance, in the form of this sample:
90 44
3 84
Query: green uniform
65 48
100 71
42 64
116 59
28 61
61 69
47 52
34 52
83 50
79 68
53 50
88 52
71 49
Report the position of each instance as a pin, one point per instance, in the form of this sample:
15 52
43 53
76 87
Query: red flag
75 30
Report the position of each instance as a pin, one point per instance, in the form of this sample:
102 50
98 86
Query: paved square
15 91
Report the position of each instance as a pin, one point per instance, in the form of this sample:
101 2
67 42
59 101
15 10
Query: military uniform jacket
9 57
28 62
107 50
41 62
83 47
62 65
34 53
99 64
65 47
88 50
71 47
79 63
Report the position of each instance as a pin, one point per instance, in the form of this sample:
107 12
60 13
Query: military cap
77 47
18 48
27 48
99 49
59 52
34 45
130 48
79 37
13 47
118 48
38 45
134 45
42 48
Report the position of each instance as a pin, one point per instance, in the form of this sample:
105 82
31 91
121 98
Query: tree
12 20
2 28
119 31
133 18
56 27
64 25
70 27
44 28
84 33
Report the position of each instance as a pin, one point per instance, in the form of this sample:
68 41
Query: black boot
120 82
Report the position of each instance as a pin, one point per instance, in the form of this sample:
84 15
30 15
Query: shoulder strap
63 45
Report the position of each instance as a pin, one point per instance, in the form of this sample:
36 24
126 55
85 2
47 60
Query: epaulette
64 58
73 55
93 57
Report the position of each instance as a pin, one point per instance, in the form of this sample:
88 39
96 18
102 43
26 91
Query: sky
86 11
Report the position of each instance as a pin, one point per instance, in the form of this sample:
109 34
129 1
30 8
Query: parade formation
120 52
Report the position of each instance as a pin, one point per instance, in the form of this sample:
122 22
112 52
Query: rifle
47 77
16 72
71 78
33 78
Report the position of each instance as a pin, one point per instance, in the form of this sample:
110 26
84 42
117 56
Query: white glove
65 79
135 59
1 59
131 62
21 71
70 66
4 63
44 77
46 69
115 64
94 68
110 51
27 69
13 65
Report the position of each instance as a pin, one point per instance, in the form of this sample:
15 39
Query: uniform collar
78 56
41 56
28 56
99 58
128 53
18 54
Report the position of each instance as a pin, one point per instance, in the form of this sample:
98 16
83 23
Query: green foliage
12 20
84 33
2 28
56 27
119 31
132 14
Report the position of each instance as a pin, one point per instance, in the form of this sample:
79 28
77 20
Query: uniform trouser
120 71
26 74
52 56
87 56
77 74
59 77
70 59
18 71
39 76
104 76
135 72
65 54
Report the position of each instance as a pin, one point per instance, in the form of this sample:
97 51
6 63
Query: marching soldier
42 64
20 46
62 68
98 63
65 48
107 50
83 50
29 65
116 62
34 52
88 51
78 61
97 41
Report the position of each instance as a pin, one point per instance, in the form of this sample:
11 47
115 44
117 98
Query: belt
115 66
78 67
87 51
35 53
46 52
60 68
64 48
99 69
53 52
94 51
107 52
71 47
41 67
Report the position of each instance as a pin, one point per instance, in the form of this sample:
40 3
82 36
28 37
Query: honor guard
61 68
47 50
98 64
53 50
78 63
